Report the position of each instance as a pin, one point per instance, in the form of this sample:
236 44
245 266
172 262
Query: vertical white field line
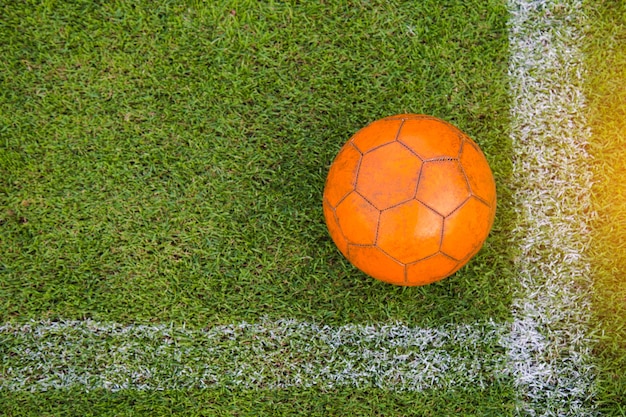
547 348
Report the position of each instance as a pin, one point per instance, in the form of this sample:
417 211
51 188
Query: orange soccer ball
409 199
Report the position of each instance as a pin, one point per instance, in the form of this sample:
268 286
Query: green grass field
163 165
606 57
167 165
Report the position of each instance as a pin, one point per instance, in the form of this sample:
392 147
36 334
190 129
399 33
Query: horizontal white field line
269 355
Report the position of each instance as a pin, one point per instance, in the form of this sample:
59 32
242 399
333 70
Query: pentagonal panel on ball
358 219
431 269
442 186
388 175
410 231
478 172
333 228
342 174
377 264
431 138
465 230
376 134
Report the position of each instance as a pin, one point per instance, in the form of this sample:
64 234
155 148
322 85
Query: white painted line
269 355
548 349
